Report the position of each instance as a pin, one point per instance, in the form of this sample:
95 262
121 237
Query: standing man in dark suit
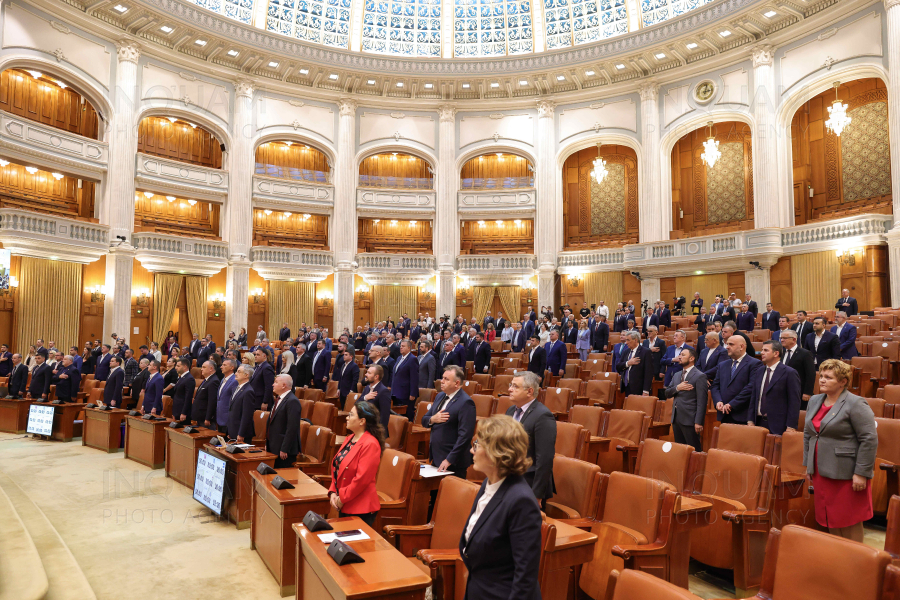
803 327
770 318
393 347
636 366
518 338
153 391
801 360
487 319
39 388
449 357
112 393
847 304
285 333
782 327
184 390
18 377
751 306
671 362
776 392
657 348
427 364
348 376
321 364
5 360
66 377
101 372
711 355
451 419
203 408
405 379
663 316
377 394
226 393
703 321
846 333
599 333
283 430
823 344
530 326
380 357
194 347
689 388
540 425
733 386
746 321
537 357
240 411
500 324
482 357
649 319
556 355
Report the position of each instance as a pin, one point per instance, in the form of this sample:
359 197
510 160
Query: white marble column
892 12
757 284
650 290
771 208
238 230
548 208
654 216
344 225
446 222
118 205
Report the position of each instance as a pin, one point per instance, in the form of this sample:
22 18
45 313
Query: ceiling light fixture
233 53
620 66
120 8
57 176
661 55
517 222
523 82
413 222
837 114
289 144
560 77
495 84
465 86
148 194
287 214
200 42
429 86
333 76
599 171
172 119
691 46
370 82
273 64
170 198
399 84
31 170
192 202
61 84
35 74
267 212
393 222
499 223
377 221
481 223
589 73
724 33
3 162
711 149
304 71
769 14
166 29
306 217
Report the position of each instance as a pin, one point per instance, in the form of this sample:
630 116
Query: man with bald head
733 385
203 409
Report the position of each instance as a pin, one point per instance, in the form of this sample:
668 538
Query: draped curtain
709 287
484 297
606 286
49 303
166 288
291 302
509 298
816 279
196 290
394 300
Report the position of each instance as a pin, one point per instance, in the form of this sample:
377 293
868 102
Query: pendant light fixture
710 149
837 119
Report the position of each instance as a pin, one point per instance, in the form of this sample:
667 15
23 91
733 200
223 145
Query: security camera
755 263
354 264
120 237
637 275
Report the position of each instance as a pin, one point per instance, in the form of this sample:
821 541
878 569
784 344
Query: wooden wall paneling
8 310
215 317
294 231
877 284
362 303
631 290
256 311
491 238
667 288
577 200
493 166
395 165
325 312
295 156
427 299
400 237
41 192
736 284
141 314
464 299
572 293
176 217
179 141
45 101
90 327
780 286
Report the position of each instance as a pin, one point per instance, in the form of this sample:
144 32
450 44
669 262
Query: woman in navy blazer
501 544
355 466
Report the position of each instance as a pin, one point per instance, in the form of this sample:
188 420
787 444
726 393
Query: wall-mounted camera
637 275
755 263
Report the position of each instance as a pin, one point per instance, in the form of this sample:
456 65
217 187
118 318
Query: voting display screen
40 420
209 484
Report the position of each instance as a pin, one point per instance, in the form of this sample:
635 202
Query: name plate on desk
209 481
40 420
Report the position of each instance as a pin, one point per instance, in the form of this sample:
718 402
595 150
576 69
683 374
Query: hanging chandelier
710 149
837 119
599 172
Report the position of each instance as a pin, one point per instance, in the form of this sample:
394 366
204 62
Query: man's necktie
519 413
762 394
734 365
787 357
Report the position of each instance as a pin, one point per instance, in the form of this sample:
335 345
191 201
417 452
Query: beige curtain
166 288
484 298
606 286
708 285
49 303
291 302
509 298
394 300
816 279
196 290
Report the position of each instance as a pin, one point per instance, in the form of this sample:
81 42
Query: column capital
348 107
763 55
243 88
649 91
447 112
128 51
545 109
889 4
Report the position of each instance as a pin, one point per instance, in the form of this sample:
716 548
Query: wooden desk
14 414
271 515
238 482
421 496
417 441
103 428
145 441
64 416
385 574
573 548
181 453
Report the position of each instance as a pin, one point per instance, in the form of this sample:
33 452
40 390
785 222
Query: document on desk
327 538
431 471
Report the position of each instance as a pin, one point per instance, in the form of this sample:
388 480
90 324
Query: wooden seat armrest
387 504
658 430
626 552
627 448
323 480
555 510
584 524
408 539
603 404
747 516
886 466
435 559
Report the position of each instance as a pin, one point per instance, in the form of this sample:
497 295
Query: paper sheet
327 538
431 471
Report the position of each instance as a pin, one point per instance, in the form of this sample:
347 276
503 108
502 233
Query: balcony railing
25 139
285 194
834 231
476 262
192 181
306 175
46 236
395 261
396 183
290 256
161 252
496 183
592 258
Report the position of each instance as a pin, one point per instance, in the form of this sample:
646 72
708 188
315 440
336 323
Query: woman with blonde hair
839 446
501 544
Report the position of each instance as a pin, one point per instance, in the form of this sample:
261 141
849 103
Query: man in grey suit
427 365
540 425
689 387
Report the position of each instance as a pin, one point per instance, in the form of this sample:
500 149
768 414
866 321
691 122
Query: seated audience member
501 547
355 465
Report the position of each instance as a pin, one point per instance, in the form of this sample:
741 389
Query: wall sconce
362 289
257 295
326 298
846 257
13 283
428 293
463 287
574 280
527 284
218 301
143 298
98 294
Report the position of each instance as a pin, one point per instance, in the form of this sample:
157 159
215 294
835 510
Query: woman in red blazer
355 466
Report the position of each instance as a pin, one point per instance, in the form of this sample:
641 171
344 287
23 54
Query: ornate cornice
128 51
889 4
764 54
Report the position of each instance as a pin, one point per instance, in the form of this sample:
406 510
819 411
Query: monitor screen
209 483
40 420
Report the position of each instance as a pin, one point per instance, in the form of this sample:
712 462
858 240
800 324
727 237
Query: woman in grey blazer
839 445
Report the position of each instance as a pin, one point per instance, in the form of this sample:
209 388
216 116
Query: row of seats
291 173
